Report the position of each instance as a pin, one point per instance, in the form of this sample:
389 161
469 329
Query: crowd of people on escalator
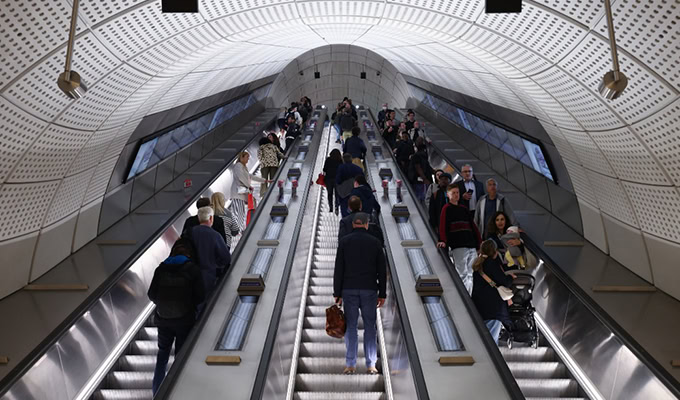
474 222
201 256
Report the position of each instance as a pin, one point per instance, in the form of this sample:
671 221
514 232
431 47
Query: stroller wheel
509 343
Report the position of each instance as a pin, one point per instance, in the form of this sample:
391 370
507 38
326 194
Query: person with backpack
270 157
177 290
330 169
347 122
404 151
355 206
292 132
344 181
420 172
356 147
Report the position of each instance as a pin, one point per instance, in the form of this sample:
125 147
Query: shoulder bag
504 292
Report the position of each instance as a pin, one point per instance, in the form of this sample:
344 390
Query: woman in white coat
240 188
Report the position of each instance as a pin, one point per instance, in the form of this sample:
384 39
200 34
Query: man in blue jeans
359 280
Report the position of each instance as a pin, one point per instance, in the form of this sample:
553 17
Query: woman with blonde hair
487 276
241 187
231 228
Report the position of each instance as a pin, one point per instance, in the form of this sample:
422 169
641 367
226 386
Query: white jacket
242 178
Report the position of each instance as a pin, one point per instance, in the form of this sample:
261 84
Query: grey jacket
242 178
502 204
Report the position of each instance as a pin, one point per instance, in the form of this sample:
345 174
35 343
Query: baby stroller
523 327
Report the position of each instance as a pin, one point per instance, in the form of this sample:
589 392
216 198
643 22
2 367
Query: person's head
437 174
354 204
421 147
243 157
356 131
411 115
335 155
264 141
466 172
393 114
402 125
205 215
404 136
202 202
498 224
444 180
360 220
420 141
293 107
347 158
491 188
348 109
453 193
360 180
511 237
273 138
416 125
486 250
384 107
291 119
180 248
217 202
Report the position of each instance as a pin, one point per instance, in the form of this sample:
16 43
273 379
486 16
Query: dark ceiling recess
301 73
503 6
180 6
363 75
317 75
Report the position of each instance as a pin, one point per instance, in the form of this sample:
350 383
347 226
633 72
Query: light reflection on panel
237 325
418 262
444 331
274 228
406 231
262 261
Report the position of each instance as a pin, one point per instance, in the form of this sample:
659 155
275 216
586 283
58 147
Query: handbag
504 292
335 322
321 180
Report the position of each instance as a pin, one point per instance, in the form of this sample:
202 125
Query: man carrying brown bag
360 280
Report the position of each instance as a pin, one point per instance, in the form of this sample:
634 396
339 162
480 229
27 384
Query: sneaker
349 371
372 371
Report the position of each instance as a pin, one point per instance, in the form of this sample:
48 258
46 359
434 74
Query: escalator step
129 380
339 383
139 363
318 300
549 387
528 354
321 290
321 365
320 323
148 333
327 349
322 272
538 370
320 336
123 394
144 347
318 281
339 396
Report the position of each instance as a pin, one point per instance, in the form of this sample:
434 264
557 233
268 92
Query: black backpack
173 290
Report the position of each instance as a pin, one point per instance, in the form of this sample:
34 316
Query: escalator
540 373
322 358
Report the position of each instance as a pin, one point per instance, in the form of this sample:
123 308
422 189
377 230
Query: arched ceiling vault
58 154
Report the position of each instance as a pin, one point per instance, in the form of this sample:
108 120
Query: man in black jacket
346 227
189 223
360 280
438 200
176 289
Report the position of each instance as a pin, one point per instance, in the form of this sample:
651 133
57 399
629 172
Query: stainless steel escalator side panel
479 381
610 365
198 380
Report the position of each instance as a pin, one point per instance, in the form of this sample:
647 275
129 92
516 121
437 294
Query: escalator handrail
57 333
645 357
181 358
491 346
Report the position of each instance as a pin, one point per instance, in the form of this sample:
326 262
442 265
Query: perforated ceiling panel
546 61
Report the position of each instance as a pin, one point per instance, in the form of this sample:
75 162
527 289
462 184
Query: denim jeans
167 335
366 301
463 257
494 326
420 189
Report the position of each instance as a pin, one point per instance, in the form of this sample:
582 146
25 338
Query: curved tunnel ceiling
58 154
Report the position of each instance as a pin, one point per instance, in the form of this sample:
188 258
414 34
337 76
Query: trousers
166 336
463 257
366 301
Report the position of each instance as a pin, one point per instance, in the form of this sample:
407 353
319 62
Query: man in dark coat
346 223
191 222
360 281
344 181
365 193
438 200
177 290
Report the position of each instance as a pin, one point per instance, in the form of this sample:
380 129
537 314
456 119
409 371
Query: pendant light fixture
613 82
69 81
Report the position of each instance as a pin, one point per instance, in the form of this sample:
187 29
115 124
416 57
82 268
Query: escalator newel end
400 210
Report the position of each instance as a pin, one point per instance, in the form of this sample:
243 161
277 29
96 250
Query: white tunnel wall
340 68
57 154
